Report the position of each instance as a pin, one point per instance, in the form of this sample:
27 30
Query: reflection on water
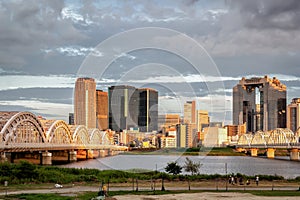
210 164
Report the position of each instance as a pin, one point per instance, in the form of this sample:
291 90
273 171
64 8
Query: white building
214 137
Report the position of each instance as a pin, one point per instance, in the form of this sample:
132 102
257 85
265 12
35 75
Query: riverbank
209 191
215 151
203 151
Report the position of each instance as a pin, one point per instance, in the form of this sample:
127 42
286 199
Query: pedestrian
248 182
241 181
232 180
257 180
104 189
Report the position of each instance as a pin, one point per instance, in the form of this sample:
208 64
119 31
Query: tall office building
71 119
202 119
102 109
85 102
293 115
148 109
123 101
171 120
190 112
260 103
181 135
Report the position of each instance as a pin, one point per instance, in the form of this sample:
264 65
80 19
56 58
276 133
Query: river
210 164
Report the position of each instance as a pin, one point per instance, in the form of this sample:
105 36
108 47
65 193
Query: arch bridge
24 132
271 140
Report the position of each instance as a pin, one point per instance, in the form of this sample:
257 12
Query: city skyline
38 68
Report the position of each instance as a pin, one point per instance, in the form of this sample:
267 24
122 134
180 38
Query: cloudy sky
45 44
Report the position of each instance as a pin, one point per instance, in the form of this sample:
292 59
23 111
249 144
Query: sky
186 49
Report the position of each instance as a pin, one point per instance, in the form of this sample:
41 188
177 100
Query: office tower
202 119
293 115
71 119
181 133
148 109
190 112
123 101
102 109
172 120
85 102
260 103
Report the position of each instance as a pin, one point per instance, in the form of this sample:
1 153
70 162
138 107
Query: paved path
78 189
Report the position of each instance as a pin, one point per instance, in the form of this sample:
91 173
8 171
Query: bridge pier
253 152
3 157
72 156
239 149
271 153
102 153
46 158
294 154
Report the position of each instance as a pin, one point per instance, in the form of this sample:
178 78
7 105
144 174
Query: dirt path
202 196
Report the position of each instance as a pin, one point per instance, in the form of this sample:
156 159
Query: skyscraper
148 109
102 109
293 115
189 112
261 103
202 119
85 102
123 101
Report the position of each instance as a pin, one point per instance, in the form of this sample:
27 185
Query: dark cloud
27 27
267 14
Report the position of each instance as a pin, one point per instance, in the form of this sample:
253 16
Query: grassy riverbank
25 177
90 195
216 151
202 151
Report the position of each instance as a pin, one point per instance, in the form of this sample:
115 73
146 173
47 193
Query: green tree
190 166
173 168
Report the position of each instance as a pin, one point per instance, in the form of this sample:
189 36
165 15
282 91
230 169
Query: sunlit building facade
293 115
85 102
260 103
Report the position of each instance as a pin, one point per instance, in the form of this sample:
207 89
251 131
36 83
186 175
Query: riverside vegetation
24 176
25 172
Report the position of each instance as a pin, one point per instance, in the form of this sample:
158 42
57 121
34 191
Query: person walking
257 180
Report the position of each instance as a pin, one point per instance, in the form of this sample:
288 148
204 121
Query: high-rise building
148 109
102 109
181 132
293 115
123 101
85 102
202 119
172 120
260 103
190 112
71 119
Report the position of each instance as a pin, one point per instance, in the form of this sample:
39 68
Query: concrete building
260 103
202 119
102 109
293 115
190 112
181 132
172 120
71 119
85 102
192 135
214 137
168 142
148 110
123 101
234 132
